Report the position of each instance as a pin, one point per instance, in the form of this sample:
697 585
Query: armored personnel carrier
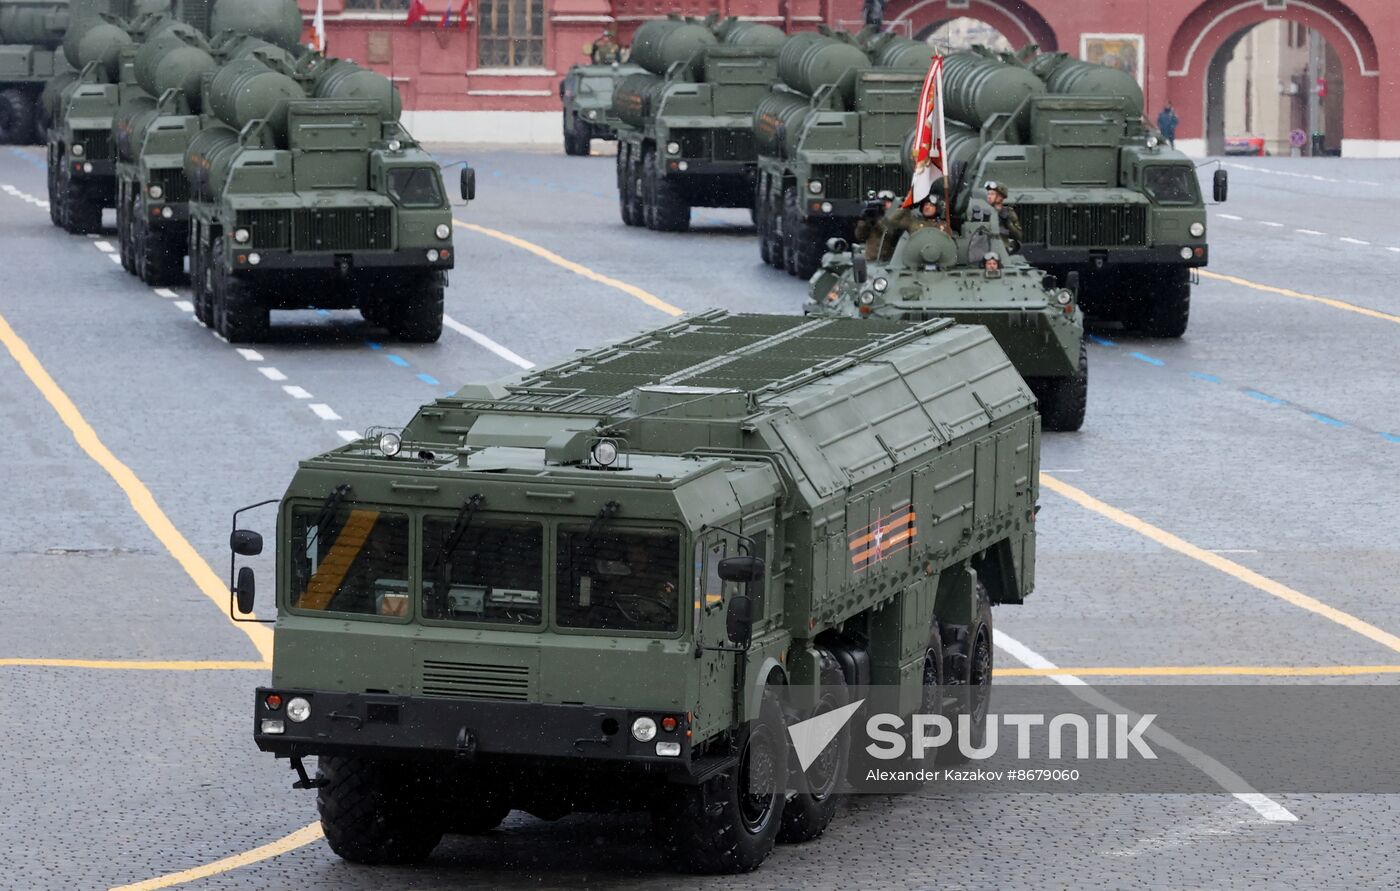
685 131
31 54
580 589
586 92
933 274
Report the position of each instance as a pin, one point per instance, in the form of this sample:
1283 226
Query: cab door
716 700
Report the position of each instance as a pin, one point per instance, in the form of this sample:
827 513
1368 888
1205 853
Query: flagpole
943 151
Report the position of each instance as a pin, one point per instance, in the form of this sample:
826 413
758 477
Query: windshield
350 560
415 187
492 574
618 579
1170 185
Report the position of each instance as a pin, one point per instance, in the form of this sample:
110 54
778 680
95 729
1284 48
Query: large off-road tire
41 120
124 231
720 827
629 196
1064 400
80 216
575 143
159 262
808 811
1166 313
763 224
239 314
201 284
669 210
967 659
378 812
16 117
55 206
417 318
788 240
809 244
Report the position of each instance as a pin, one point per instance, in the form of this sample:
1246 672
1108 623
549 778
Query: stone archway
1017 20
1214 24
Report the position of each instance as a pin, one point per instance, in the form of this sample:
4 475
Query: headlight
242 235
155 191
867 298
592 113
389 444
298 710
1151 142
77 150
273 726
395 145
1198 229
605 455
668 749
673 148
167 213
643 729
880 284
254 258
1064 298
87 167
443 230
433 255
1186 253
814 186
826 207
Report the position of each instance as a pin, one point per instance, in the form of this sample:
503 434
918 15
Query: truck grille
476 680
718 145
858 181
1083 225
172 181
338 229
97 144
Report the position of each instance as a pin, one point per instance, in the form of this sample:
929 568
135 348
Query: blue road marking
1390 437
324 312
1263 397
430 380
374 346
1101 341
397 360
1208 378
1141 357
1330 422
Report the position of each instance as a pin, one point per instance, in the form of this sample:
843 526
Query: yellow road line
1155 671
140 665
301 838
1299 295
1217 562
646 297
142 501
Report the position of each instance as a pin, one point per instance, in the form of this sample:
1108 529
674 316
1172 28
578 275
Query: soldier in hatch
873 228
1008 222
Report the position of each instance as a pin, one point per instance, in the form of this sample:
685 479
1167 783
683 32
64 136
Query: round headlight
673 148
880 284
605 455
1064 298
592 113
1198 229
155 191
683 166
1186 253
443 230
814 186
77 150
242 235
167 213
298 709
867 298
389 444
826 207
254 258
433 255
87 167
395 145
1151 142
643 729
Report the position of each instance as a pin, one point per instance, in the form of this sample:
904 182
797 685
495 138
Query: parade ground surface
1226 516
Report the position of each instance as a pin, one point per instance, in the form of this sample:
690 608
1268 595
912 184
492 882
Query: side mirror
1221 185
245 589
741 569
245 543
468 183
738 621
1072 283
859 268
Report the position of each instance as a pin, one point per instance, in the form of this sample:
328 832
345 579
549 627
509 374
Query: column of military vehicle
284 175
586 93
31 54
587 587
685 136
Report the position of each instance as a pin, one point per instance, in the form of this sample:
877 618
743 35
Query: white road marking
1232 550
348 435
94 236
1271 224
1394 249
103 246
218 336
43 204
250 355
115 259
1296 175
1230 216
484 341
296 392
1228 780
8 188
324 412
184 306
1350 240
168 295
269 372
1309 232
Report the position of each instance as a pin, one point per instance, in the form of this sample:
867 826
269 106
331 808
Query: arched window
512 33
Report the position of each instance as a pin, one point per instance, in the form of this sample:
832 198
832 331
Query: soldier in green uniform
604 50
872 229
1009 223
911 219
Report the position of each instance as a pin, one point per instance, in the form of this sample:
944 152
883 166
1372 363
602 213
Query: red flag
318 28
930 136
462 16
446 15
416 10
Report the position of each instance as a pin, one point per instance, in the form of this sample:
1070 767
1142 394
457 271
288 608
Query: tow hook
304 781
466 744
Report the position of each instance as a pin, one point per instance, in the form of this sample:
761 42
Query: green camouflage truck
31 54
685 131
828 139
586 93
579 589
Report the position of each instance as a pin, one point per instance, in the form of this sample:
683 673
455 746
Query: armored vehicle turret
583 588
586 93
973 278
685 125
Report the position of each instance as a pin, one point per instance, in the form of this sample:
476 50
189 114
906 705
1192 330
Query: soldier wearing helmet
1008 222
873 228
604 50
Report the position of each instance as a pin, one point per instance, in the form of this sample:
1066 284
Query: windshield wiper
327 512
458 532
605 513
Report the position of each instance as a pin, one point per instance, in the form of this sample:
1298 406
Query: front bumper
392 726
179 215
80 168
273 259
1098 258
706 167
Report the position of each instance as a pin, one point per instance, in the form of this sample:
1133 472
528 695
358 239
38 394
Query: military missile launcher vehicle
31 54
579 588
305 191
933 274
685 136
586 92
